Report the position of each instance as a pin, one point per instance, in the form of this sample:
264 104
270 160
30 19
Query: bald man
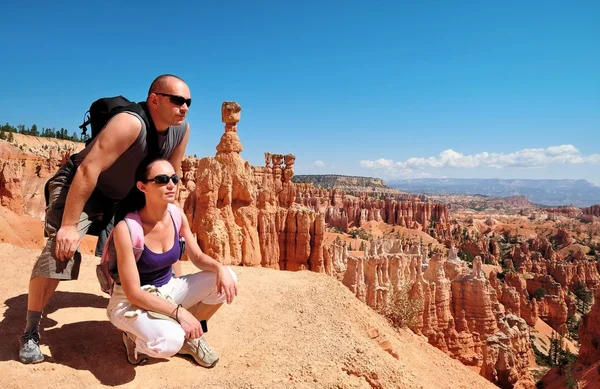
102 172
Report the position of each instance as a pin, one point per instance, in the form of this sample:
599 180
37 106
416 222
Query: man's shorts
47 264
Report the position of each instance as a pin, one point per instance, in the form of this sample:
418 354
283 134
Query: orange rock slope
25 169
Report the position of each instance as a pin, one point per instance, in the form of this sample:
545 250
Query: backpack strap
136 231
151 133
106 271
176 215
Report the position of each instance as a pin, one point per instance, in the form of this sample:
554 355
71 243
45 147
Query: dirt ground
284 330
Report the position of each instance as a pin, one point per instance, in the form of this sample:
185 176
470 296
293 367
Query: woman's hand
226 284
189 323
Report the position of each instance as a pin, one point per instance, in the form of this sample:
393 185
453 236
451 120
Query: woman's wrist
175 312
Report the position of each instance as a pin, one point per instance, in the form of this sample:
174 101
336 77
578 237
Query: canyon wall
343 211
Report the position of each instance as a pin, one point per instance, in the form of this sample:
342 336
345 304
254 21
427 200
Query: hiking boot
202 353
30 352
133 356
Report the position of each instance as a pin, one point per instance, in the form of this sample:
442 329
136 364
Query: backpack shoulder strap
134 224
175 212
151 134
176 215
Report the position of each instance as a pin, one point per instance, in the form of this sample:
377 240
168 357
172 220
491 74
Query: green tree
34 130
572 326
584 297
539 293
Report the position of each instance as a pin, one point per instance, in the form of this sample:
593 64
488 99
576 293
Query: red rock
244 215
589 334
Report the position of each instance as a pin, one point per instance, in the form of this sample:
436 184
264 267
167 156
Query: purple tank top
155 268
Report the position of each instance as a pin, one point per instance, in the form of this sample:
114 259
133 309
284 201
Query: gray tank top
116 181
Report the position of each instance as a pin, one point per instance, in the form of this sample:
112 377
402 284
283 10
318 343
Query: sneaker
202 353
133 356
29 351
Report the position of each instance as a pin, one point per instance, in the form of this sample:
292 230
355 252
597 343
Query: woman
160 314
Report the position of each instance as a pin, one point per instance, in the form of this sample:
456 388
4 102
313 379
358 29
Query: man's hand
226 284
67 241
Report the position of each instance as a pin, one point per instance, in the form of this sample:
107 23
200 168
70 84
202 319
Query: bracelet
176 311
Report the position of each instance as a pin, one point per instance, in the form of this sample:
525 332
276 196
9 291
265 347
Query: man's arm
118 135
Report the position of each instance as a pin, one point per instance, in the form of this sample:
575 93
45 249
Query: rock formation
589 334
344 211
515 298
461 316
244 215
594 210
23 174
11 195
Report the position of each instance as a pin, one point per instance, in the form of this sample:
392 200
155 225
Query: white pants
160 338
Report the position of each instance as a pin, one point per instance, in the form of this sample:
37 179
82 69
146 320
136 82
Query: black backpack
102 110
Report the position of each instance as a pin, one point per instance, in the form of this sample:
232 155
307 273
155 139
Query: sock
33 322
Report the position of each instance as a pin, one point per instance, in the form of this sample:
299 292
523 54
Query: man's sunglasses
176 100
163 179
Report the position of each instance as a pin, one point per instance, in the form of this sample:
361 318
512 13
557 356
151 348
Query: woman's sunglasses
176 100
163 179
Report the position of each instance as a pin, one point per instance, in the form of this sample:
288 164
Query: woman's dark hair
136 199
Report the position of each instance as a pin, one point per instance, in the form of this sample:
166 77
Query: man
103 171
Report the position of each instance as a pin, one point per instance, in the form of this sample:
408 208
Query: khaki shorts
47 265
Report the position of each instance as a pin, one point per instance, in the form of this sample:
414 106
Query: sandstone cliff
343 210
594 210
589 334
245 215
25 169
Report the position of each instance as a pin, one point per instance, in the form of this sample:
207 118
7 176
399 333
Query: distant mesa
580 193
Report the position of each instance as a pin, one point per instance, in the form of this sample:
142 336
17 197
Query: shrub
403 310
539 293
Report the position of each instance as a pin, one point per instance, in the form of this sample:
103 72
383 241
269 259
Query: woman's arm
225 282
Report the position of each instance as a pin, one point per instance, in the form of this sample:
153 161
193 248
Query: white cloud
319 163
526 158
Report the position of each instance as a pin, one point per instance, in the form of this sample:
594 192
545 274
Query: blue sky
384 89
